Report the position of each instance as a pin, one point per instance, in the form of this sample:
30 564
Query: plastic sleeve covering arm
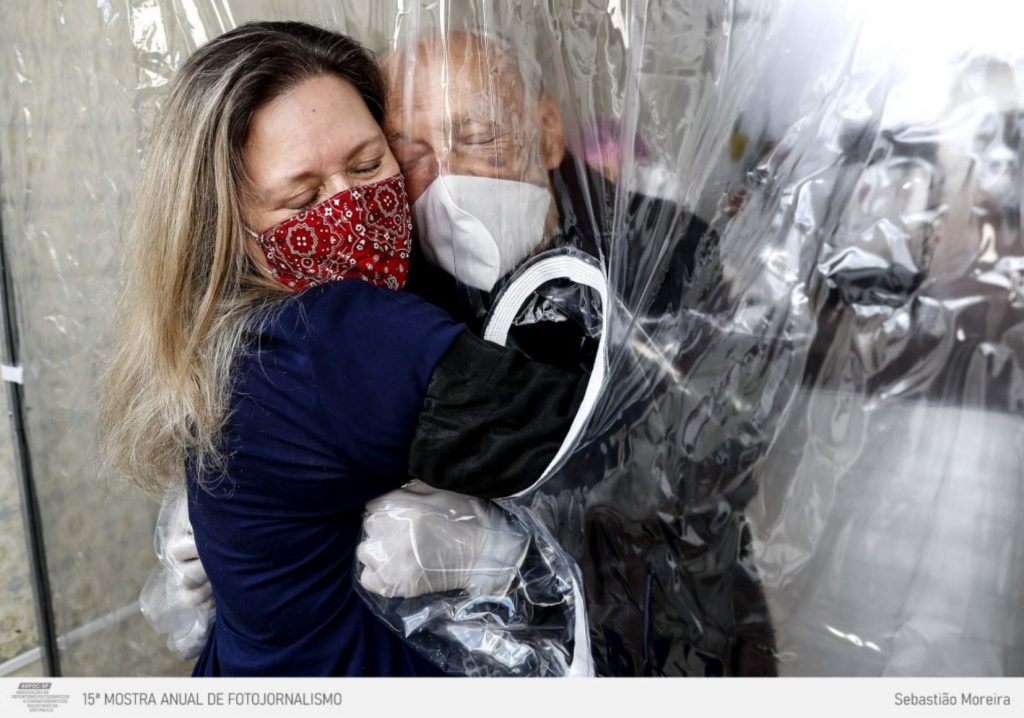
176 598
492 420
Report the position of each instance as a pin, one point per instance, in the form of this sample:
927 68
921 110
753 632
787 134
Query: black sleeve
492 419
694 279
691 277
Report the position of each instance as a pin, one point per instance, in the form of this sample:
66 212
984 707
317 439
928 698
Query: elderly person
483 146
670 585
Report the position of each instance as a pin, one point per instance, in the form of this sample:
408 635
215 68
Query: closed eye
480 140
368 168
302 202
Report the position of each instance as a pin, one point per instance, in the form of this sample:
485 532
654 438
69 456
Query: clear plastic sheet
475 589
177 598
788 443
805 455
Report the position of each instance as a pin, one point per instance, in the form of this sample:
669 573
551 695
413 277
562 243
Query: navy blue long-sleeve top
323 412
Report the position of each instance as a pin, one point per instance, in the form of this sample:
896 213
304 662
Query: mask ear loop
261 267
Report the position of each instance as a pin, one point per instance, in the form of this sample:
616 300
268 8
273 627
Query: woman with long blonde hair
268 361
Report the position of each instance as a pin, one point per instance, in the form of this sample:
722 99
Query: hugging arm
491 423
492 420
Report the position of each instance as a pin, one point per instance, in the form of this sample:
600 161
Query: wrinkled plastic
472 587
514 603
855 465
788 440
177 599
488 551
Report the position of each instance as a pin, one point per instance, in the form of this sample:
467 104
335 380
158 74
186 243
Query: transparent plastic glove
475 590
418 540
177 598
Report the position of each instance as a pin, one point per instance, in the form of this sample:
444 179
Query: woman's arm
409 393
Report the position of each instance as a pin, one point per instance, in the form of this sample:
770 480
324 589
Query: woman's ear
552 132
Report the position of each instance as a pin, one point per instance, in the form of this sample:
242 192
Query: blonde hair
192 290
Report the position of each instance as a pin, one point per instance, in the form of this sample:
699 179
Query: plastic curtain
801 460
803 457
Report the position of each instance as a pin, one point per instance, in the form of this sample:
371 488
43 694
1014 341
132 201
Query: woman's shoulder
345 303
353 296
353 313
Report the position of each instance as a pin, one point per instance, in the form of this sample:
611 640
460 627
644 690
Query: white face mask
478 229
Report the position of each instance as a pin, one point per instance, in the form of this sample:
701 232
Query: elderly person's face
309 144
462 109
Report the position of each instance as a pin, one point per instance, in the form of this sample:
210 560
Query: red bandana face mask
363 232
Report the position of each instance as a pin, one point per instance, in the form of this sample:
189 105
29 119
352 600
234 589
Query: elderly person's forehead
465 61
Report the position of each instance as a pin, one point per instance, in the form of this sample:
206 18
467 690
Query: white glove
420 540
177 598
176 549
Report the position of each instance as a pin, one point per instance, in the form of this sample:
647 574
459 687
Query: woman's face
309 144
